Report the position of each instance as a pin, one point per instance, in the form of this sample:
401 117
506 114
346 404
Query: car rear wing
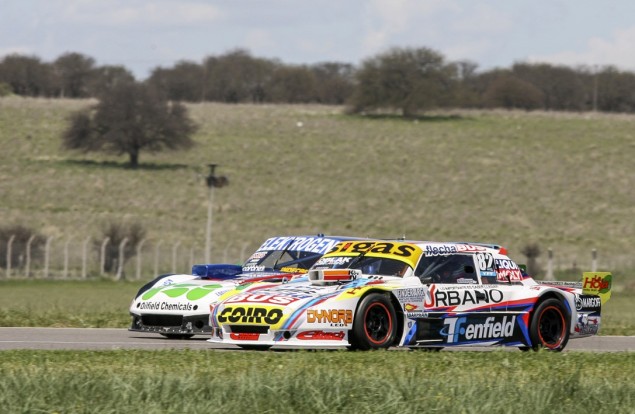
592 283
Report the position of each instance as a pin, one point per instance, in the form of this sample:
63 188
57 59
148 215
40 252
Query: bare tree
130 118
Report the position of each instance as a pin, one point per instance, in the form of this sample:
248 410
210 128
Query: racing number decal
485 261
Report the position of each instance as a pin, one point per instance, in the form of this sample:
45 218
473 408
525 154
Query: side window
456 268
485 264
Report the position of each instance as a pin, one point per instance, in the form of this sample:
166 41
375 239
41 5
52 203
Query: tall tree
130 118
335 81
104 78
26 75
183 82
74 72
236 76
409 80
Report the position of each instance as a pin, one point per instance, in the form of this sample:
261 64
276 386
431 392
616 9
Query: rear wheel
549 327
375 323
177 336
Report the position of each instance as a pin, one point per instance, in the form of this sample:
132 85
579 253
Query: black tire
177 336
549 327
375 323
255 347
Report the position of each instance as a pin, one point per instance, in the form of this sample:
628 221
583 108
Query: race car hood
285 306
187 294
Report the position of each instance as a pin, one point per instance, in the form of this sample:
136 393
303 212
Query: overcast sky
144 34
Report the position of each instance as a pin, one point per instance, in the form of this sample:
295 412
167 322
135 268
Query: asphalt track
110 339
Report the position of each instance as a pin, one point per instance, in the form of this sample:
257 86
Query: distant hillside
565 181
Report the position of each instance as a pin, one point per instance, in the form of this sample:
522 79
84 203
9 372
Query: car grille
249 329
162 320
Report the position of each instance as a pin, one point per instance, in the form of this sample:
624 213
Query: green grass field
560 180
304 382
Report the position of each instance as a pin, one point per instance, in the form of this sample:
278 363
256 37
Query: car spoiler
592 283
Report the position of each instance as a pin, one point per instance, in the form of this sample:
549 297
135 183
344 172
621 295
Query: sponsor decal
465 329
333 261
396 249
405 252
439 298
246 314
321 336
507 270
275 299
257 256
409 307
253 268
319 245
587 325
244 336
333 317
587 302
293 270
166 306
412 295
597 283
504 275
445 249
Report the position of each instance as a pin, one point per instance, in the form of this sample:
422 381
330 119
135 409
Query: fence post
9 247
225 250
549 264
594 260
174 251
84 256
242 253
122 246
102 264
27 265
47 256
65 274
139 247
156 258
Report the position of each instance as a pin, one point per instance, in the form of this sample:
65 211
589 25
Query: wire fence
70 258
75 258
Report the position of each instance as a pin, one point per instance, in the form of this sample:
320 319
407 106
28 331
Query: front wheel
549 327
375 323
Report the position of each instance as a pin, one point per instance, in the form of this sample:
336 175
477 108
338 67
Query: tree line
408 80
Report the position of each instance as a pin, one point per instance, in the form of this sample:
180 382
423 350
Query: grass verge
334 382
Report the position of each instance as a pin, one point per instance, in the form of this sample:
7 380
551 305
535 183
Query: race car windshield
281 260
382 266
